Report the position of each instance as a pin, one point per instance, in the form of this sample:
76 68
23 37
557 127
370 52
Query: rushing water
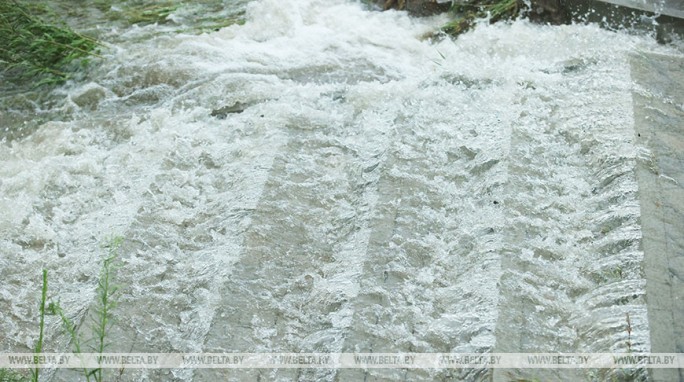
377 192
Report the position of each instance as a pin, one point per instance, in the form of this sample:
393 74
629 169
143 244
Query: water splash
377 192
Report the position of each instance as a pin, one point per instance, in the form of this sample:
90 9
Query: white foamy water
379 192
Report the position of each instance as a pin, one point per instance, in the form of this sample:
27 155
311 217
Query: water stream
325 179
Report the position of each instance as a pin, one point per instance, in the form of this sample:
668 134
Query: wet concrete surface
659 125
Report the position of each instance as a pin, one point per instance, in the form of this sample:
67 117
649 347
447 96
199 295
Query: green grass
35 51
137 12
38 47
39 346
467 12
140 13
9 375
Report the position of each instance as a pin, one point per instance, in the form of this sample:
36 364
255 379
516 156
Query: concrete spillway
659 130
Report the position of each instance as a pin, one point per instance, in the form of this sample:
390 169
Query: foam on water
378 192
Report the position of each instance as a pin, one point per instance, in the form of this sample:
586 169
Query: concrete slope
659 122
674 8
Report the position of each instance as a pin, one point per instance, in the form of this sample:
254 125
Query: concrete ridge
674 8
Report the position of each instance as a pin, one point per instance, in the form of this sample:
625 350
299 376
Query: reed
39 346
107 301
101 318
35 51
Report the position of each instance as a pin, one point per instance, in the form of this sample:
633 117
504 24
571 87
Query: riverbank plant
464 13
106 302
8 375
467 12
143 13
39 346
70 328
36 51
137 12
101 318
188 17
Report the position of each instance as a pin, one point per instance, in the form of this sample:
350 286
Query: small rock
222 113
549 11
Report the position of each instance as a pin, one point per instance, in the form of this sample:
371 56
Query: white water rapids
379 193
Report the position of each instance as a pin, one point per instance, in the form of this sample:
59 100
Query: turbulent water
371 190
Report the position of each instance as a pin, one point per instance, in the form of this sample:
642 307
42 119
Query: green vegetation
39 49
206 16
35 50
39 345
106 293
464 12
70 328
8 375
149 13
469 11
101 317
